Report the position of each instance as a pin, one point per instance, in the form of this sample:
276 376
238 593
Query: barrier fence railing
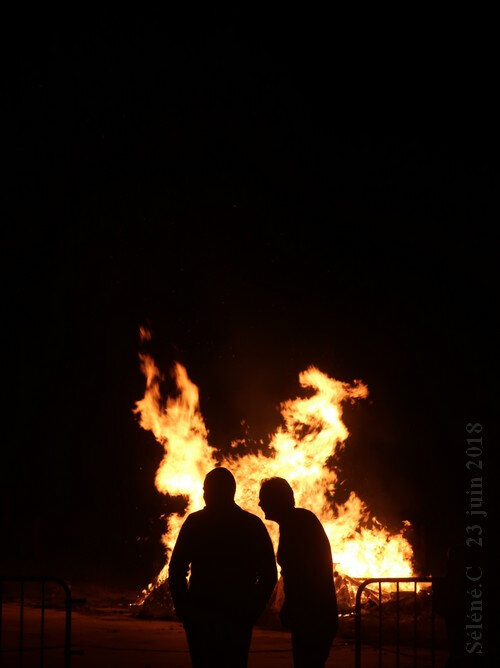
415 645
21 649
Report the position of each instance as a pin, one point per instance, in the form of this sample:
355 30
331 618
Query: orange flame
144 334
312 432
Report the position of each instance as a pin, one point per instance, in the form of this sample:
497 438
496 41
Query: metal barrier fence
68 604
397 582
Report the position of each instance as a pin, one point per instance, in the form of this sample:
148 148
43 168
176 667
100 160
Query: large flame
301 450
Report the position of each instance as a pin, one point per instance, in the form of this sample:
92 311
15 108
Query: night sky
264 196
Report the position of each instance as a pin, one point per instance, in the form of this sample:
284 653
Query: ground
113 637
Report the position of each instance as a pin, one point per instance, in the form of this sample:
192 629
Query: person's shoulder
195 518
303 512
250 518
305 515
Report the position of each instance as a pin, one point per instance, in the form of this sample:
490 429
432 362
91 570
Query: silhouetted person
233 574
305 557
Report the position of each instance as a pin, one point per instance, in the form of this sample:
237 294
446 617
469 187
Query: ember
312 433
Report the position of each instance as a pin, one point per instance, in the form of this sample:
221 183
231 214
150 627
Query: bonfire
303 449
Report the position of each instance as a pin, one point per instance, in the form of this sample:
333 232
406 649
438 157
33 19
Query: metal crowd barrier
68 605
358 621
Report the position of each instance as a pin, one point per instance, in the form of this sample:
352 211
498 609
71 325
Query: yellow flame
312 432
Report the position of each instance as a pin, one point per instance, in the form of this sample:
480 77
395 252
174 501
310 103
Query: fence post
358 626
22 580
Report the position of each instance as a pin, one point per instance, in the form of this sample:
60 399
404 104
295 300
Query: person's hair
278 491
220 484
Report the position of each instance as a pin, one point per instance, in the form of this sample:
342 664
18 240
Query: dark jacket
305 557
233 569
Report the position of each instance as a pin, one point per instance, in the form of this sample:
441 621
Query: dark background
264 193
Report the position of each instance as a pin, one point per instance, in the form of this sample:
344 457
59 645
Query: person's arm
267 574
178 570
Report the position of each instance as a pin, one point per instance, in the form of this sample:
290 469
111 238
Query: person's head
219 488
276 498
